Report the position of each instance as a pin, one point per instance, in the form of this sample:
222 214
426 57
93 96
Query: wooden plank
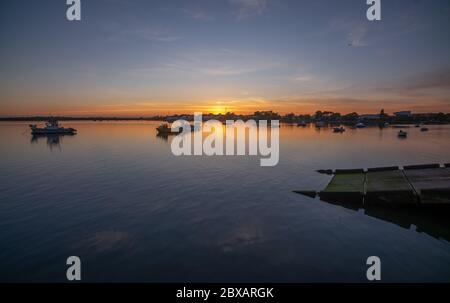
388 168
349 171
433 184
386 181
345 189
353 182
388 187
423 166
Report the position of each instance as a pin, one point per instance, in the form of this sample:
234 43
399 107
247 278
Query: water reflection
430 220
134 210
53 140
163 137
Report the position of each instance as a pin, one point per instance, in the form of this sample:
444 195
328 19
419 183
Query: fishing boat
52 127
402 134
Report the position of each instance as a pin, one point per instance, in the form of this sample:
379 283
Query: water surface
115 196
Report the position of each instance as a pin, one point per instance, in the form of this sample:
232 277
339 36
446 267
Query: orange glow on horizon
237 107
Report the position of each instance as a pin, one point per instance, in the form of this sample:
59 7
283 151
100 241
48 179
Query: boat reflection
164 137
53 140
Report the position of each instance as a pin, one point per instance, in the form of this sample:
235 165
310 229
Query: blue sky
140 57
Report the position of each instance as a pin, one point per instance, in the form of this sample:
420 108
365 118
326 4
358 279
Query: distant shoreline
405 117
163 119
82 118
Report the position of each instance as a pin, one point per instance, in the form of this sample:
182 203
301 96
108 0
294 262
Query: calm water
116 197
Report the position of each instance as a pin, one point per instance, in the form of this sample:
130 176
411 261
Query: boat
302 124
424 129
402 134
360 125
165 129
339 129
52 127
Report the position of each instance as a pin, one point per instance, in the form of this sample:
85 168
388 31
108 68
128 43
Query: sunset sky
140 57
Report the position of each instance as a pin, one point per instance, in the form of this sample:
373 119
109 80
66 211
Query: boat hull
40 131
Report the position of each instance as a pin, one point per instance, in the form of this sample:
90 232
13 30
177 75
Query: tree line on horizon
324 116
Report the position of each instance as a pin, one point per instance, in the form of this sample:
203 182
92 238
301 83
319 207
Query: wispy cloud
198 14
355 33
301 78
437 79
434 83
357 36
247 8
218 63
150 34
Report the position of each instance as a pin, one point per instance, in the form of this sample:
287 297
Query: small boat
386 124
424 129
302 124
402 134
339 129
360 125
165 129
52 127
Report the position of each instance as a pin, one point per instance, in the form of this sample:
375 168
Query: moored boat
340 129
164 129
402 134
52 127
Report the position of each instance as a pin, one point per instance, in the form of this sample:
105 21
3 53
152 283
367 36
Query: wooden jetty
415 185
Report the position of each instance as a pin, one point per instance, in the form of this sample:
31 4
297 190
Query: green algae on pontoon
353 182
386 181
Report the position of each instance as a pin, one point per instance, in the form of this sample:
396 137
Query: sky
141 58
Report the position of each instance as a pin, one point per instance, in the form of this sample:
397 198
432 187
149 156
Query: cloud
356 37
150 34
198 14
431 84
217 63
301 78
437 79
361 104
247 8
355 33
